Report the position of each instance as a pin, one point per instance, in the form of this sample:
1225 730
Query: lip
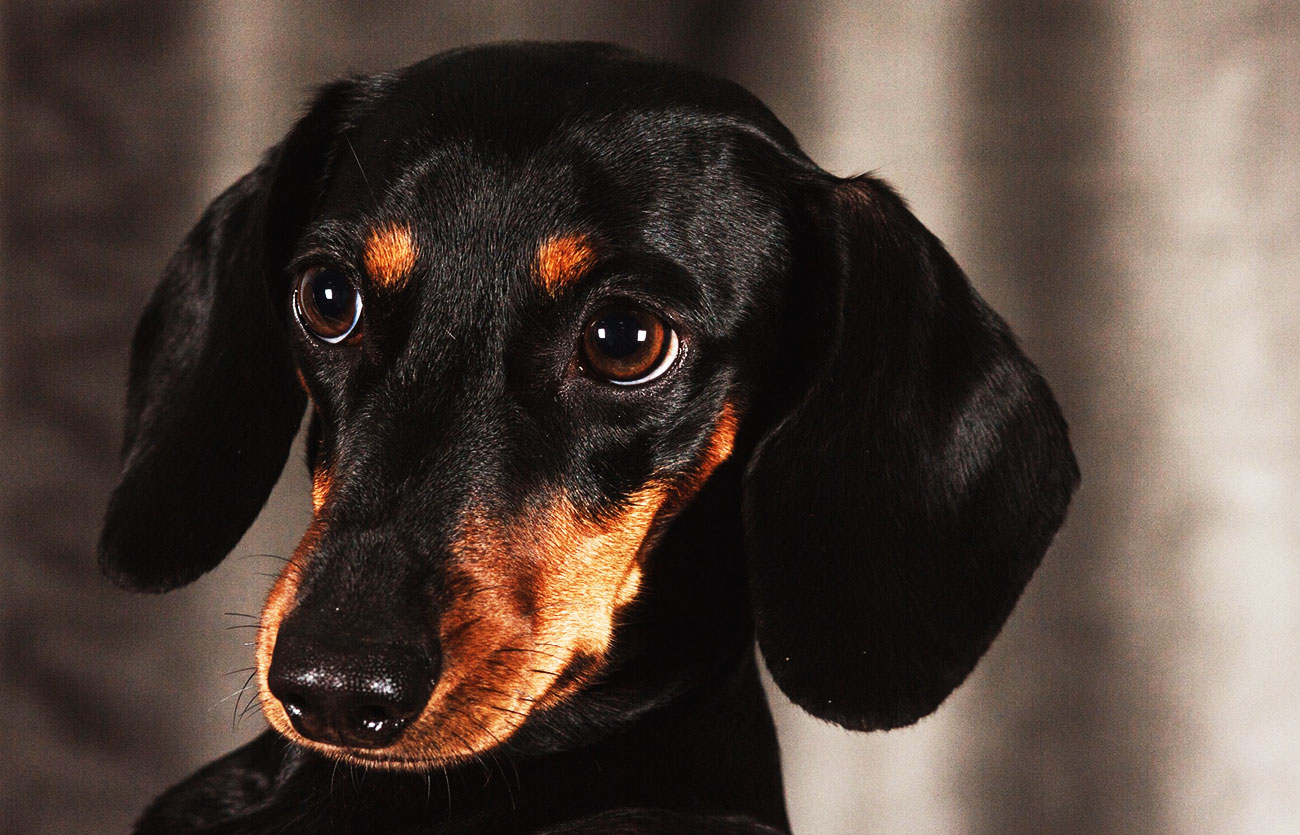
379 759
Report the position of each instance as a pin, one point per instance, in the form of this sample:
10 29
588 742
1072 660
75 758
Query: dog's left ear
897 509
213 404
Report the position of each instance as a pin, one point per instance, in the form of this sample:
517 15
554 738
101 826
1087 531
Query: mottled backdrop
1121 180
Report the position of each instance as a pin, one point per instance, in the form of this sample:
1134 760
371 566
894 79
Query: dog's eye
628 345
327 304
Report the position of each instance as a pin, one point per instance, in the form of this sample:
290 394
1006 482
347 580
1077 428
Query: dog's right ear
213 403
895 513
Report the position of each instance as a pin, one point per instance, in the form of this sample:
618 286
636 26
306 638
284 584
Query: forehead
492 150
471 197
588 103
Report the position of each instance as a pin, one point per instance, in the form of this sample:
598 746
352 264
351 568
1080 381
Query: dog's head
604 376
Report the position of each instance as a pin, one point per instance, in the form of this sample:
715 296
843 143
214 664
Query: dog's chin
383 761
393 758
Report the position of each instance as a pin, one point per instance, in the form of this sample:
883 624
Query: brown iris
327 304
627 345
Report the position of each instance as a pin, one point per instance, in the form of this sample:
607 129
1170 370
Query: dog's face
535 297
528 338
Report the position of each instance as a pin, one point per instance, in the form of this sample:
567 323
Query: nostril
360 697
373 718
311 723
298 708
309 715
373 726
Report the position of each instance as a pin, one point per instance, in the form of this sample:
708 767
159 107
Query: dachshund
605 380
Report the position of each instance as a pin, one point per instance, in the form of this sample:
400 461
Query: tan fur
561 261
390 256
320 488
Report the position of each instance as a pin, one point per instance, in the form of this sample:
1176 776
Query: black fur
899 470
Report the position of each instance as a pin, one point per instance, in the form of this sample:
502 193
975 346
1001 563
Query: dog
605 380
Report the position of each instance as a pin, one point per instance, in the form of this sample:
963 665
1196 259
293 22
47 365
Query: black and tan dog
605 378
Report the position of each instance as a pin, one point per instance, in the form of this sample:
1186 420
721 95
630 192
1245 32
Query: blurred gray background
1121 180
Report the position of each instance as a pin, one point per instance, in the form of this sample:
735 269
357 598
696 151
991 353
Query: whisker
469 750
495 662
496 760
552 646
485 689
505 779
529 649
253 704
459 630
235 714
237 693
263 556
364 178
508 710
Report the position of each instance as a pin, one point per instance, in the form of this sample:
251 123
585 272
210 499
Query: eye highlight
627 345
327 304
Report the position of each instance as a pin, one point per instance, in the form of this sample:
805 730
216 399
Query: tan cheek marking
320 488
563 260
720 445
390 255
590 569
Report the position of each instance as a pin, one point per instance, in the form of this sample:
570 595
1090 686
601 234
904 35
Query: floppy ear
213 404
896 511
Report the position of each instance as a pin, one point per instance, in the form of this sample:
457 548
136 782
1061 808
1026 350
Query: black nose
360 695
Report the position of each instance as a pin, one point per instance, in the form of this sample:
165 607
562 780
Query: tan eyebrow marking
563 260
390 255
